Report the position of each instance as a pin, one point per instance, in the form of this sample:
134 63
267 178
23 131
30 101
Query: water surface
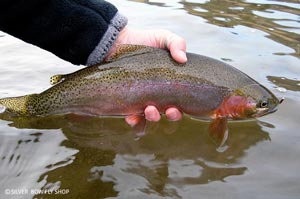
102 158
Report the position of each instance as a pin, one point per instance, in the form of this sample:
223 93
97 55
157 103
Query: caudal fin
17 105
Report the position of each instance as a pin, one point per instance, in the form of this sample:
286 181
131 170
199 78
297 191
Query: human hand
160 39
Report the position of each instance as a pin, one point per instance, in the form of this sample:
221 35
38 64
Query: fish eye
264 104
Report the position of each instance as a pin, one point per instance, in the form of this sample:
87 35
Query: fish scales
138 76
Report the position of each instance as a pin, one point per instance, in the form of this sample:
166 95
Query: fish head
260 101
250 101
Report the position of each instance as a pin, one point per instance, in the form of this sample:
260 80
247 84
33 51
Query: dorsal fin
55 79
128 50
122 51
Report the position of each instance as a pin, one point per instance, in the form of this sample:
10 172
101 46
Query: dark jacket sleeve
79 31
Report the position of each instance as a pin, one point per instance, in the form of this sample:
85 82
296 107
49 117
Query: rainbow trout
137 76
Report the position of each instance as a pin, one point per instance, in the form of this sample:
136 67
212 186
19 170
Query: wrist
121 39
116 26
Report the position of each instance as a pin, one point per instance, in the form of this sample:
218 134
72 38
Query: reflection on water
150 2
104 158
289 84
109 157
280 22
279 19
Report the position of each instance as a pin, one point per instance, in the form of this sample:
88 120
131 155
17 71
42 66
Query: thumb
177 47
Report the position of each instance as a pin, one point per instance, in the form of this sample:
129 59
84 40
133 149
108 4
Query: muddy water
71 157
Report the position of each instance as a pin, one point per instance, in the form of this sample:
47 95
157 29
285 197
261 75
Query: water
71 157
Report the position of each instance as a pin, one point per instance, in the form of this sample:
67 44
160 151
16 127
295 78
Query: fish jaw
264 111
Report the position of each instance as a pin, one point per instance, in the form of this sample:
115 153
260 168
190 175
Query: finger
173 114
133 120
177 47
173 42
152 114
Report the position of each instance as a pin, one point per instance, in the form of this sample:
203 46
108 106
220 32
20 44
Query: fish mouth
281 100
264 111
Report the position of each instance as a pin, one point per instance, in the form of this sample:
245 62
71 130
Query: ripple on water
279 19
99 158
25 154
285 83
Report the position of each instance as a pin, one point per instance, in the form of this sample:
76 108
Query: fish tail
17 105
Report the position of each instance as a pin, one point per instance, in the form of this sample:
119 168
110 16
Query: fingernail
153 117
173 114
182 56
132 120
174 117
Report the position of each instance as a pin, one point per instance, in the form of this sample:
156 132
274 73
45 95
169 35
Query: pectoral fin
218 130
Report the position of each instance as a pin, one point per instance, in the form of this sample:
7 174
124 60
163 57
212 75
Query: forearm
79 31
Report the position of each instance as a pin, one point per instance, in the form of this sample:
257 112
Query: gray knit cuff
116 25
